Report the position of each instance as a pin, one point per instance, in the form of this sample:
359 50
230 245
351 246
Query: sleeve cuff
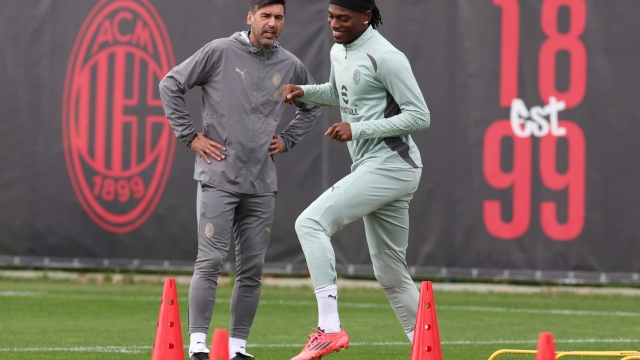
187 139
306 89
356 129
284 142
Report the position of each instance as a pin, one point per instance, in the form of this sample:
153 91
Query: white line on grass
538 311
342 304
468 342
19 293
95 349
78 297
557 341
468 308
141 349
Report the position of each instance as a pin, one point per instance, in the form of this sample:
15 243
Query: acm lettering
110 33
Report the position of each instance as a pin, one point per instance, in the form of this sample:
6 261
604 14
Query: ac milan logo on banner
118 144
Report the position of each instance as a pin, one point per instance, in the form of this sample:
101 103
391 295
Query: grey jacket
241 107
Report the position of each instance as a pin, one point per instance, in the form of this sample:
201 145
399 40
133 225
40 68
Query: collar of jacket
243 38
368 34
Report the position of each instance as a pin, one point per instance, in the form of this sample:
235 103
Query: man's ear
368 16
250 18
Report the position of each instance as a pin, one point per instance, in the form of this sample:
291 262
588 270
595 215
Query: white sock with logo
236 346
410 335
194 339
328 319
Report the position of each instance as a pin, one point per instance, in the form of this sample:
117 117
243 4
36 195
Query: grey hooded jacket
241 107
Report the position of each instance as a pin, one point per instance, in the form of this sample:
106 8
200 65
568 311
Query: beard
258 35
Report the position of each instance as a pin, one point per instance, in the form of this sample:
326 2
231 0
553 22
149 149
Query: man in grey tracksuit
240 77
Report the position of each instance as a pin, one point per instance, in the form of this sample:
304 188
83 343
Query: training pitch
48 319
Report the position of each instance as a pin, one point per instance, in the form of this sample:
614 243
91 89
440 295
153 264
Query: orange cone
219 345
426 338
546 347
168 343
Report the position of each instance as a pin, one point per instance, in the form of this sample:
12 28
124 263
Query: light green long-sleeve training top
378 95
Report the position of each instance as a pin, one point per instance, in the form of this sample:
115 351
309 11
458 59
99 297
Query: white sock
197 337
410 335
328 319
236 345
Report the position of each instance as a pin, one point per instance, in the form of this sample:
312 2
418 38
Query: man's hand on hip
340 131
277 146
207 148
290 93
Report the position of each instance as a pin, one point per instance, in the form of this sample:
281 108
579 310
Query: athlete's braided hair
376 19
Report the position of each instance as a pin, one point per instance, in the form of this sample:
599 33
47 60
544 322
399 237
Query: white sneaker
198 348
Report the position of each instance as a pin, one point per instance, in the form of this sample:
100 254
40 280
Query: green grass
52 320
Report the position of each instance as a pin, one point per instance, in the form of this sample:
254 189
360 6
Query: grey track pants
249 218
381 196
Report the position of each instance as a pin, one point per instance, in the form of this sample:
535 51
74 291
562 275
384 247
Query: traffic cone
426 338
219 345
168 343
546 347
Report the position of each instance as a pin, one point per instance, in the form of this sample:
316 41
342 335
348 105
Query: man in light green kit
381 104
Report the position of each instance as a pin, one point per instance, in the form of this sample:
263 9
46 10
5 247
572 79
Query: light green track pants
381 196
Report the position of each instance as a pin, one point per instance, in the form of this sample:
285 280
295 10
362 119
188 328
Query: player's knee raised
305 225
